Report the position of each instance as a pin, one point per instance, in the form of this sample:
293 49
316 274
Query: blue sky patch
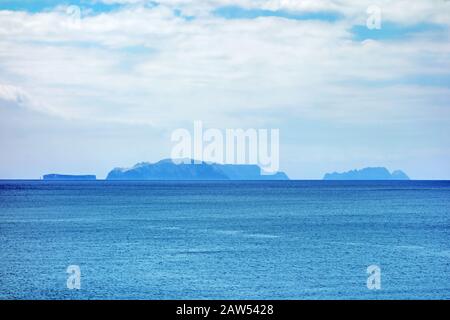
235 12
34 6
433 80
393 31
423 80
179 13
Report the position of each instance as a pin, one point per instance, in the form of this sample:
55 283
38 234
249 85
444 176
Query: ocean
225 240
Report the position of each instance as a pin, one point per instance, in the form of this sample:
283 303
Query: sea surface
225 240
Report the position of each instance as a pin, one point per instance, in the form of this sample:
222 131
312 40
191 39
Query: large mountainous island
169 169
371 173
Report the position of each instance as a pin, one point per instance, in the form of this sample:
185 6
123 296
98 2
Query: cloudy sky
89 85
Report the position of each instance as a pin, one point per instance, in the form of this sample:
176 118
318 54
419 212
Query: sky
89 85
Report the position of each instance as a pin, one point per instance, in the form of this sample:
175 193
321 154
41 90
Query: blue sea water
225 240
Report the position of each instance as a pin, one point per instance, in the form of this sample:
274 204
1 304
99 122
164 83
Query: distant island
54 176
169 169
187 169
371 173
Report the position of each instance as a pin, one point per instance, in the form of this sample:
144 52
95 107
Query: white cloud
142 65
17 97
189 68
12 94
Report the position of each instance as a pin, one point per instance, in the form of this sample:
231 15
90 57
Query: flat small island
55 176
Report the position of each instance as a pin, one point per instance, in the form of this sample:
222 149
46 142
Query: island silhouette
188 169
370 173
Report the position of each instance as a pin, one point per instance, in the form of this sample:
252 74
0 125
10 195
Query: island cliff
169 169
